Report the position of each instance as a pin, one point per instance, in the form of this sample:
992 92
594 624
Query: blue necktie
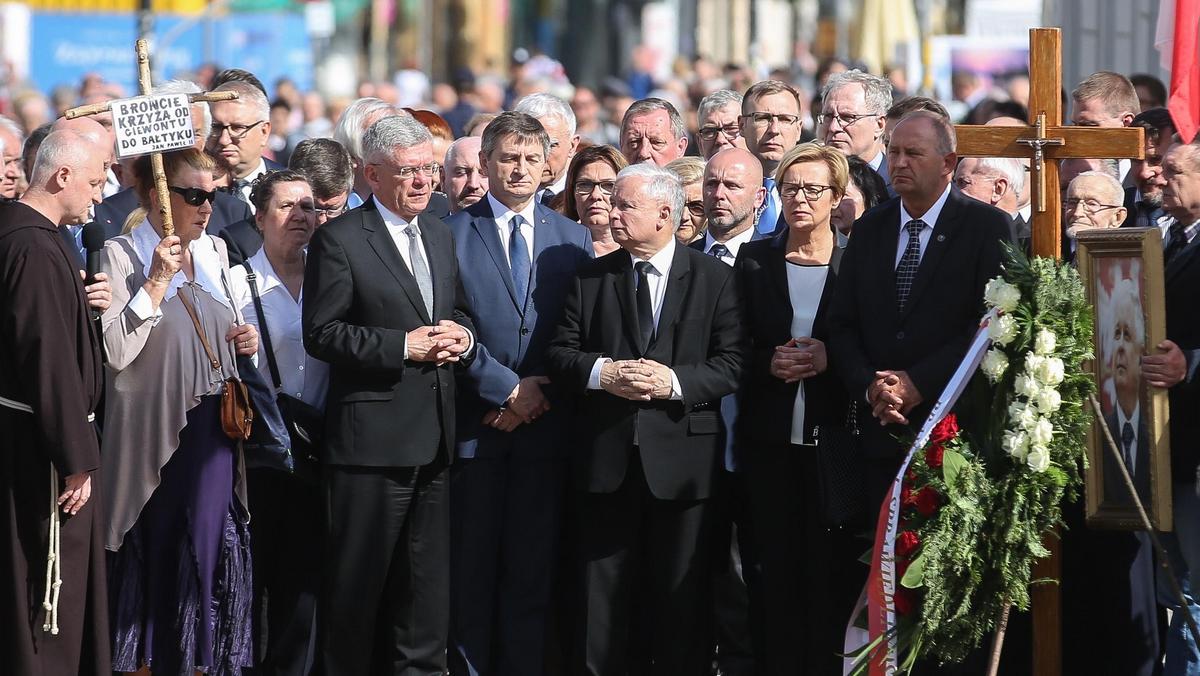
518 261
769 216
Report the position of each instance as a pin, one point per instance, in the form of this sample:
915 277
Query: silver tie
420 269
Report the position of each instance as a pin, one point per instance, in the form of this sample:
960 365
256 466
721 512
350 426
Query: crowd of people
574 375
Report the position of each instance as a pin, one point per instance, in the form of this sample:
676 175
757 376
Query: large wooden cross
156 164
1044 143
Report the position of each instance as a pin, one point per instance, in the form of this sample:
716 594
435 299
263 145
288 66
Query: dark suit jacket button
899 335
433 385
524 330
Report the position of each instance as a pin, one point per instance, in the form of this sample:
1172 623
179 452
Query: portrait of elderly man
1122 337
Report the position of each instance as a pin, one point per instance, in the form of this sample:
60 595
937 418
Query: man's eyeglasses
843 119
236 132
696 208
763 120
194 196
586 187
331 212
731 132
426 170
812 191
1090 205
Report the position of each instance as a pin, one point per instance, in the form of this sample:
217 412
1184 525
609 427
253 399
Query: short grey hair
188 87
1013 170
646 106
12 126
61 148
877 91
351 125
390 134
661 185
1116 194
249 94
717 100
543 105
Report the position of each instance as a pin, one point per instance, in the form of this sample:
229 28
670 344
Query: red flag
1184 102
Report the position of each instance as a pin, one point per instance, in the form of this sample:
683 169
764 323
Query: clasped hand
892 396
636 380
440 344
799 358
526 404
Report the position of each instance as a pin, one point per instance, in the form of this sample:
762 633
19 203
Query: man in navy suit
771 124
517 259
854 107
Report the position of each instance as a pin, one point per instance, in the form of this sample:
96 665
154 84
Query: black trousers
386 599
287 529
733 566
645 576
808 576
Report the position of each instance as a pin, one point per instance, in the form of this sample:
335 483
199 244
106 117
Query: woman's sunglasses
195 196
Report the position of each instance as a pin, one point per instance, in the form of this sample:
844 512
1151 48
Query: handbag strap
252 280
187 305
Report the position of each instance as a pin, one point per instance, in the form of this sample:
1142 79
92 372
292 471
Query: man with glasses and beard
1144 200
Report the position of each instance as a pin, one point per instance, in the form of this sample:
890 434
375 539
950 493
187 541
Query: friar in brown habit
53 606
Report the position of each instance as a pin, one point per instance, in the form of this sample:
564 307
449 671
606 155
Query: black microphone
93 242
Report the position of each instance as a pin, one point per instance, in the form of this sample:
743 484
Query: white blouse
301 375
805 285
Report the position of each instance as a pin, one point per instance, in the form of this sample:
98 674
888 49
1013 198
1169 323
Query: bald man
465 183
51 382
733 193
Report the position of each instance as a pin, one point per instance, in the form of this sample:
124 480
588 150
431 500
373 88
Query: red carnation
945 430
906 600
911 476
927 501
906 498
933 455
907 543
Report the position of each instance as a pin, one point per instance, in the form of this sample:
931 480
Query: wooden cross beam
1046 141
156 164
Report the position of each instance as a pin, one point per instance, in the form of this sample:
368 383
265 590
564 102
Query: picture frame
1122 270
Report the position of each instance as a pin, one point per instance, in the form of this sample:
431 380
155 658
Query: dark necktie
718 251
906 272
420 269
645 311
547 197
518 257
1176 243
1127 444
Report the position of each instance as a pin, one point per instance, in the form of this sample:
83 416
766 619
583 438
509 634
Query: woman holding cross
179 567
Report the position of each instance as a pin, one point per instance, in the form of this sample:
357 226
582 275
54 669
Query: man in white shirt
733 194
1106 99
853 116
771 124
558 120
238 136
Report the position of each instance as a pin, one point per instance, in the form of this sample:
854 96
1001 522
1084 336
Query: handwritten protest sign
152 124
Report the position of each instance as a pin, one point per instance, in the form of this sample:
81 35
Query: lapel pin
941 238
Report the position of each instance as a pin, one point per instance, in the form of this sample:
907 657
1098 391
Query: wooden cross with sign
1044 143
152 126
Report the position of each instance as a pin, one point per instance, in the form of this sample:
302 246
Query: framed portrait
1122 269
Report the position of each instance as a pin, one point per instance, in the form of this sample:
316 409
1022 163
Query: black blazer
765 410
929 339
1181 279
243 239
360 301
700 335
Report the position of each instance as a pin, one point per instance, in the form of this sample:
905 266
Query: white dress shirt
503 217
395 227
656 277
877 162
301 375
207 271
929 218
249 179
733 245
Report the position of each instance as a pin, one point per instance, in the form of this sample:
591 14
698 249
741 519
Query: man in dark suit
651 338
385 307
238 137
854 107
1144 199
1122 334
771 124
910 291
518 258
733 195
1174 366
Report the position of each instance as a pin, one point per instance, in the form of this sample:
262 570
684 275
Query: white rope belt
54 555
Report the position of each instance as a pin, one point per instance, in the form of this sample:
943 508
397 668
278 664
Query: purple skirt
180 586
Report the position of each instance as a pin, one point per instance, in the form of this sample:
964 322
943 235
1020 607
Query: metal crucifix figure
1039 158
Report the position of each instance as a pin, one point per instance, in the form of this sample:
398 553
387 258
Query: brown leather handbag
237 416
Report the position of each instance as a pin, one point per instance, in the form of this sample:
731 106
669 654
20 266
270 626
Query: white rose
1049 371
1026 386
1032 363
1045 342
1001 295
1038 458
1015 443
995 363
1002 330
1024 418
1048 400
1042 432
